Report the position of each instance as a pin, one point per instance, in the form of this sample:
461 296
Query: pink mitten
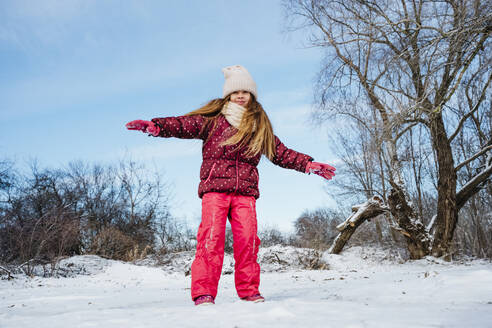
324 170
138 125
144 126
153 129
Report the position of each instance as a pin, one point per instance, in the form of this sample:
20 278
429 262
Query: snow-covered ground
364 287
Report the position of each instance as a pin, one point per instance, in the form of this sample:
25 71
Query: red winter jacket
224 168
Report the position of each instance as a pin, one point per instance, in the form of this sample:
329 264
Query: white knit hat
238 78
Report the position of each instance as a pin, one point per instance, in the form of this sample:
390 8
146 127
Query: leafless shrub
271 236
316 229
173 235
474 231
38 224
111 210
313 260
112 243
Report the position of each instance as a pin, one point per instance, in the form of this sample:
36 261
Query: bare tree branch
475 156
473 186
473 110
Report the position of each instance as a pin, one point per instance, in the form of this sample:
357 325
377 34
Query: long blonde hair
255 129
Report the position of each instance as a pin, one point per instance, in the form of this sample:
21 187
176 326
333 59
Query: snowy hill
364 287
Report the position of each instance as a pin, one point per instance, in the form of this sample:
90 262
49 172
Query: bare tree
395 65
125 200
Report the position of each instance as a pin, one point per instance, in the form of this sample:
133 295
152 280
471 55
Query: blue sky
73 72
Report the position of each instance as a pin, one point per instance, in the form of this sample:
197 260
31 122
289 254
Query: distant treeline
122 212
116 211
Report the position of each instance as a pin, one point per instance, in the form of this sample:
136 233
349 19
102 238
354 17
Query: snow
431 223
363 287
359 210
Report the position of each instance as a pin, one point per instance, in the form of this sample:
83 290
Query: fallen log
372 208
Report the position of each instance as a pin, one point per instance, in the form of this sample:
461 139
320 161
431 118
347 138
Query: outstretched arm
288 158
291 159
184 127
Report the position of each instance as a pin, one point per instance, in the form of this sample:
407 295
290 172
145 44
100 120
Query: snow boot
257 298
204 300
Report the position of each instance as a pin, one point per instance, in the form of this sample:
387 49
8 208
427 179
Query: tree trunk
414 231
447 211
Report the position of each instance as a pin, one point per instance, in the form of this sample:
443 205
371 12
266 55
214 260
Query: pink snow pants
207 266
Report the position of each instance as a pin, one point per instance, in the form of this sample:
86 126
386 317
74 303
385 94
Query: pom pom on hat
238 78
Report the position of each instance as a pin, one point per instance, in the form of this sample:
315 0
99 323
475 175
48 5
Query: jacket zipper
210 174
237 172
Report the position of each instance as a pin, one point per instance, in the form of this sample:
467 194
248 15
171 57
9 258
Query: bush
271 237
114 244
316 229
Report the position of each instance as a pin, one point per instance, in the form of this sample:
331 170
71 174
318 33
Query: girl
235 131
